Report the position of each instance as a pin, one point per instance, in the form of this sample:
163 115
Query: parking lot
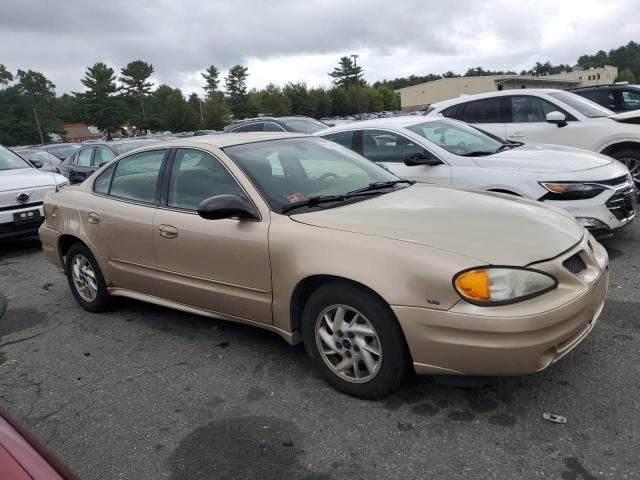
145 392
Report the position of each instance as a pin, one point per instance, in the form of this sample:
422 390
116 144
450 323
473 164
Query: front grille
614 181
19 206
575 264
621 204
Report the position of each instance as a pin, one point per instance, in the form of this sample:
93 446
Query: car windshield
304 125
584 106
11 161
458 138
297 169
41 155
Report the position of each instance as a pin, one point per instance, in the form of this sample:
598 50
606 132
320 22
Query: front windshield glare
11 161
295 169
585 106
456 137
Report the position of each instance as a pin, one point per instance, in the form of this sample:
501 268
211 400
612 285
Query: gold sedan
378 276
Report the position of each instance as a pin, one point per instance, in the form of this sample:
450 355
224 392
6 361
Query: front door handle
168 231
94 217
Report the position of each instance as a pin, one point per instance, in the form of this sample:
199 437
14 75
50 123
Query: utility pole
356 82
38 123
201 116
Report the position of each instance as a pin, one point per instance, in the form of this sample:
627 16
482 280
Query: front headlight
571 190
491 286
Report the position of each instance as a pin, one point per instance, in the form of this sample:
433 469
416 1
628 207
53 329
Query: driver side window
387 146
196 176
530 109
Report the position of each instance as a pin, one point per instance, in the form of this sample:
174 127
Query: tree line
111 100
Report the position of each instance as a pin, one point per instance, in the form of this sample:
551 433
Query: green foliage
236 85
134 78
101 107
547 68
211 78
626 57
479 72
5 76
274 102
626 75
347 73
216 112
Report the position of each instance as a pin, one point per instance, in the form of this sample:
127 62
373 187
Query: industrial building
418 96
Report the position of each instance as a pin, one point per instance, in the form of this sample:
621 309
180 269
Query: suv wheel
631 158
355 341
85 279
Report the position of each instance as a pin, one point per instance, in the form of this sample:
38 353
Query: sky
302 40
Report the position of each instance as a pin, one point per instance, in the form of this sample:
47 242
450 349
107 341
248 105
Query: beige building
423 94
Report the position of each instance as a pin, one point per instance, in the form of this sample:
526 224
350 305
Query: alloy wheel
633 164
348 343
84 278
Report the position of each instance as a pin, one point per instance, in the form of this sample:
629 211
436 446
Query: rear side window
343 138
631 100
103 155
136 177
84 157
482 111
272 127
252 127
103 182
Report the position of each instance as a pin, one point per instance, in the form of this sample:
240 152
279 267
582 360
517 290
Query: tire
94 296
368 326
631 158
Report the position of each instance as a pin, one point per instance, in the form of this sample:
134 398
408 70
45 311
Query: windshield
584 106
11 161
291 170
62 150
457 138
304 125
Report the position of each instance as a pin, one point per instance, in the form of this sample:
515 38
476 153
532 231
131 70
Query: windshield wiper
379 185
313 201
477 153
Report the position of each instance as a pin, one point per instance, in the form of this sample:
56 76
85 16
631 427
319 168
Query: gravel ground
149 393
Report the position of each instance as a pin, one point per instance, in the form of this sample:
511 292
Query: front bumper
611 210
9 228
514 339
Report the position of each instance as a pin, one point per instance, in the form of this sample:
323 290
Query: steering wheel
329 175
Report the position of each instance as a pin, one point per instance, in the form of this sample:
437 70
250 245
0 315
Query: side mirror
558 118
416 159
102 164
36 163
227 206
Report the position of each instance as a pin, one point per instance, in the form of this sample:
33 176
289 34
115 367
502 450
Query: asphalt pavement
144 392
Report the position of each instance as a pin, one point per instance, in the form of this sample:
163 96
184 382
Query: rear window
584 106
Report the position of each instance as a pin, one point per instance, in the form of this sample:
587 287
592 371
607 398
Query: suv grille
575 264
621 204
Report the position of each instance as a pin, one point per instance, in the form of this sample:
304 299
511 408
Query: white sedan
22 189
550 116
595 189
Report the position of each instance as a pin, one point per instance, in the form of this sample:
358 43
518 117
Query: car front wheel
85 279
631 158
355 340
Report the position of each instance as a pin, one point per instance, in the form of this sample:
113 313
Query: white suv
550 116
22 189
595 189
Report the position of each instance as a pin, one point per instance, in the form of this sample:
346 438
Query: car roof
389 122
501 93
222 140
608 85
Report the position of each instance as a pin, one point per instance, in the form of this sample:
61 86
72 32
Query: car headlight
571 190
491 286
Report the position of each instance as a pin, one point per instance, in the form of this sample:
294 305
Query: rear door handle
168 231
94 217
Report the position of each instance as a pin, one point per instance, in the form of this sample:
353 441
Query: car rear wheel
85 279
355 340
631 158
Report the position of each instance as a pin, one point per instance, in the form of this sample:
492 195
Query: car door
118 219
527 122
490 114
218 265
102 155
390 149
81 166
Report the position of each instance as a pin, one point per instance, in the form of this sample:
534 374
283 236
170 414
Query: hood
493 228
544 159
621 117
27 178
